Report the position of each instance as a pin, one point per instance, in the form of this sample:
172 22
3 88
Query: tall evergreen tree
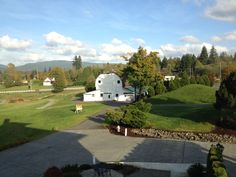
203 58
77 63
213 57
164 63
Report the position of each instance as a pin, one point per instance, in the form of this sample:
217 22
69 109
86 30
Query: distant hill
41 66
2 67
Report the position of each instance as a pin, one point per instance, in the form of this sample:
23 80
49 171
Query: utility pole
220 72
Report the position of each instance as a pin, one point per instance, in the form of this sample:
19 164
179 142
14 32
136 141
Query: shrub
215 166
131 116
143 106
53 172
151 91
196 170
89 86
159 87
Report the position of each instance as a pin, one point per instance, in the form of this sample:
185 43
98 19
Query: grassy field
189 108
25 117
190 94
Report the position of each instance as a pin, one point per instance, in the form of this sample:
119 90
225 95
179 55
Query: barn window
117 95
109 96
93 95
101 94
99 81
118 82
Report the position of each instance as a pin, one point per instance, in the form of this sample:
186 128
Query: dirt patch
217 135
17 100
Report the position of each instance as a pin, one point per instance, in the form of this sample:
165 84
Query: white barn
109 88
48 81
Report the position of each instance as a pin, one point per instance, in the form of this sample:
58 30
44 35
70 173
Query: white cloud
33 57
8 43
61 45
116 41
230 36
55 39
190 39
171 50
224 10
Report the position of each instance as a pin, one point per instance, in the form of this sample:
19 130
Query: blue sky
103 30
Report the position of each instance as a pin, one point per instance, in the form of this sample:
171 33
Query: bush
159 88
131 116
143 106
151 91
196 170
53 172
90 86
215 166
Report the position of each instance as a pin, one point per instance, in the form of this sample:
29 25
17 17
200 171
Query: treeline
206 68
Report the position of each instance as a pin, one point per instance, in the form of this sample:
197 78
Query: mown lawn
190 94
22 121
189 108
183 118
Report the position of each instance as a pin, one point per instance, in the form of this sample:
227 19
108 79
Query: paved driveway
80 144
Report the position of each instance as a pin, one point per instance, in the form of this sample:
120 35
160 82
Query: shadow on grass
199 113
16 133
164 100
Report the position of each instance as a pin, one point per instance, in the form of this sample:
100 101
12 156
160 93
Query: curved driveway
80 143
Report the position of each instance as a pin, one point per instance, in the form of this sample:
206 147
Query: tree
226 100
159 87
164 63
90 83
187 63
77 63
213 57
60 79
11 76
141 69
203 58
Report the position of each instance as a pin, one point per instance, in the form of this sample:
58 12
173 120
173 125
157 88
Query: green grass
190 94
34 87
22 122
183 118
189 108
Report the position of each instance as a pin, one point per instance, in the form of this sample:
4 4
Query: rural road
82 142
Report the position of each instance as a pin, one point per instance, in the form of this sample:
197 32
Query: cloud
61 45
190 39
224 10
171 50
230 36
33 57
8 43
55 39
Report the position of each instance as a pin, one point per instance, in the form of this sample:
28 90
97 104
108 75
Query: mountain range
45 65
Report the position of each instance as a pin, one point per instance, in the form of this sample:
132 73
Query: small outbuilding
48 81
169 78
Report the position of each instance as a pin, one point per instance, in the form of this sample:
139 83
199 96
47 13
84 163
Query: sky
105 30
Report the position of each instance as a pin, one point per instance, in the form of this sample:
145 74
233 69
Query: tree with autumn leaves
142 70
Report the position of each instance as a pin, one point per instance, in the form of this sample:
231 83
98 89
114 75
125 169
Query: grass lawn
190 94
189 108
183 118
22 121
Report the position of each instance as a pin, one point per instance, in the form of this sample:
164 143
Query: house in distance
109 87
48 81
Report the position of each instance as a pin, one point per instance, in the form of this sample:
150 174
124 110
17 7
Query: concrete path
81 143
